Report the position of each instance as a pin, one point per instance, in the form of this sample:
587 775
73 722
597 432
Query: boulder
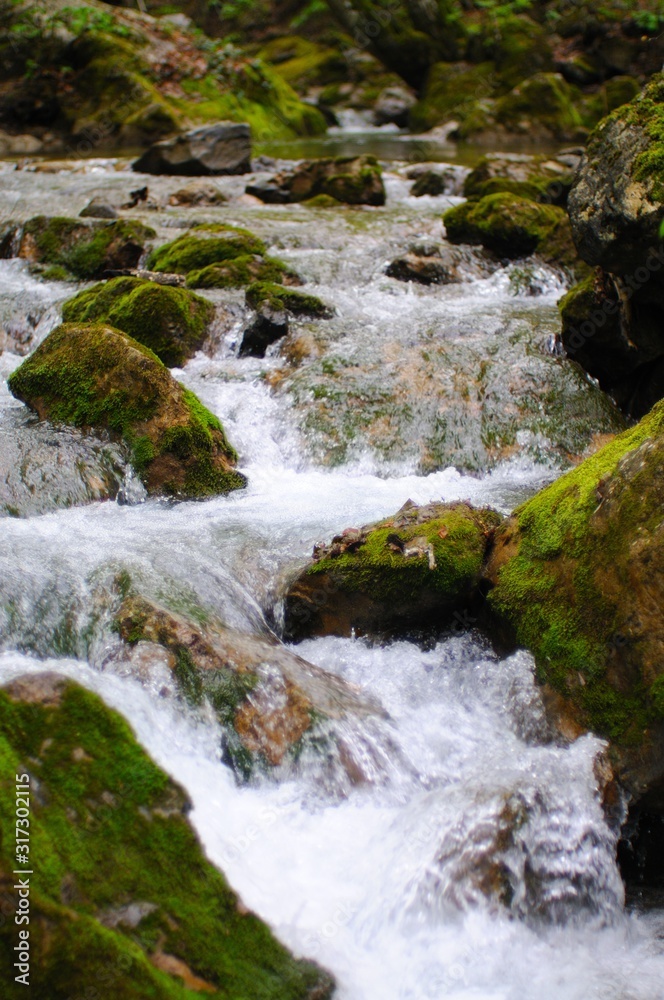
84 250
201 247
576 578
224 148
99 208
544 105
267 698
355 180
540 178
241 271
172 322
92 375
414 569
393 107
111 902
267 326
614 325
513 227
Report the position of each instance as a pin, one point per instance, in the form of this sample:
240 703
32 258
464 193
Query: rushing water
476 863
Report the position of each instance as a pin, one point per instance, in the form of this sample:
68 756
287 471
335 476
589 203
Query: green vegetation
240 271
123 899
172 322
193 253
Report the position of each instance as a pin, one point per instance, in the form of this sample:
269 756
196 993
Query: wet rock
99 208
268 698
172 322
431 264
576 576
194 195
393 107
224 148
45 468
241 271
112 901
513 227
543 105
353 180
416 568
273 304
441 178
91 375
268 326
540 178
432 182
614 327
86 250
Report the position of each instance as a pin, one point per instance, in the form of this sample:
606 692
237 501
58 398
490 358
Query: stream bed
476 862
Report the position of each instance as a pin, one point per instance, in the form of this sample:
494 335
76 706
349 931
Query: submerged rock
513 227
92 375
577 579
393 107
416 568
172 322
224 148
613 325
81 249
197 195
431 264
273 304
267 698
112 901
355 180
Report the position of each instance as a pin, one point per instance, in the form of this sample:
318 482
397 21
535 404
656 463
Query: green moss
278 297
565 589
545 98
84 250
322 201
172 322
536 182
108 828
458 538
512 227
452 92
239 272
193 253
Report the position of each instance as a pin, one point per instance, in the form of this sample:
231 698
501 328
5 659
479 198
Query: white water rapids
381 883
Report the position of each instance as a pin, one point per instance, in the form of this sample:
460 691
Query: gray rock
268 326
99 208
393 107
224 148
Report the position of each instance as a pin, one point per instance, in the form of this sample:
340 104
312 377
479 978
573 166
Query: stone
92 375
541 178
224 148
195 195
99 208
393 107
355 180
267 698
576 577
414 569
440 265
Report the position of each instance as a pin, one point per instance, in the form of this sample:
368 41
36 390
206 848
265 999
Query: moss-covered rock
355 180
539 178
193 252
172 322
512 227
84 250
577 579
242 271
113 905
416 568
91 375
543 103
267 698
452 93
262 293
